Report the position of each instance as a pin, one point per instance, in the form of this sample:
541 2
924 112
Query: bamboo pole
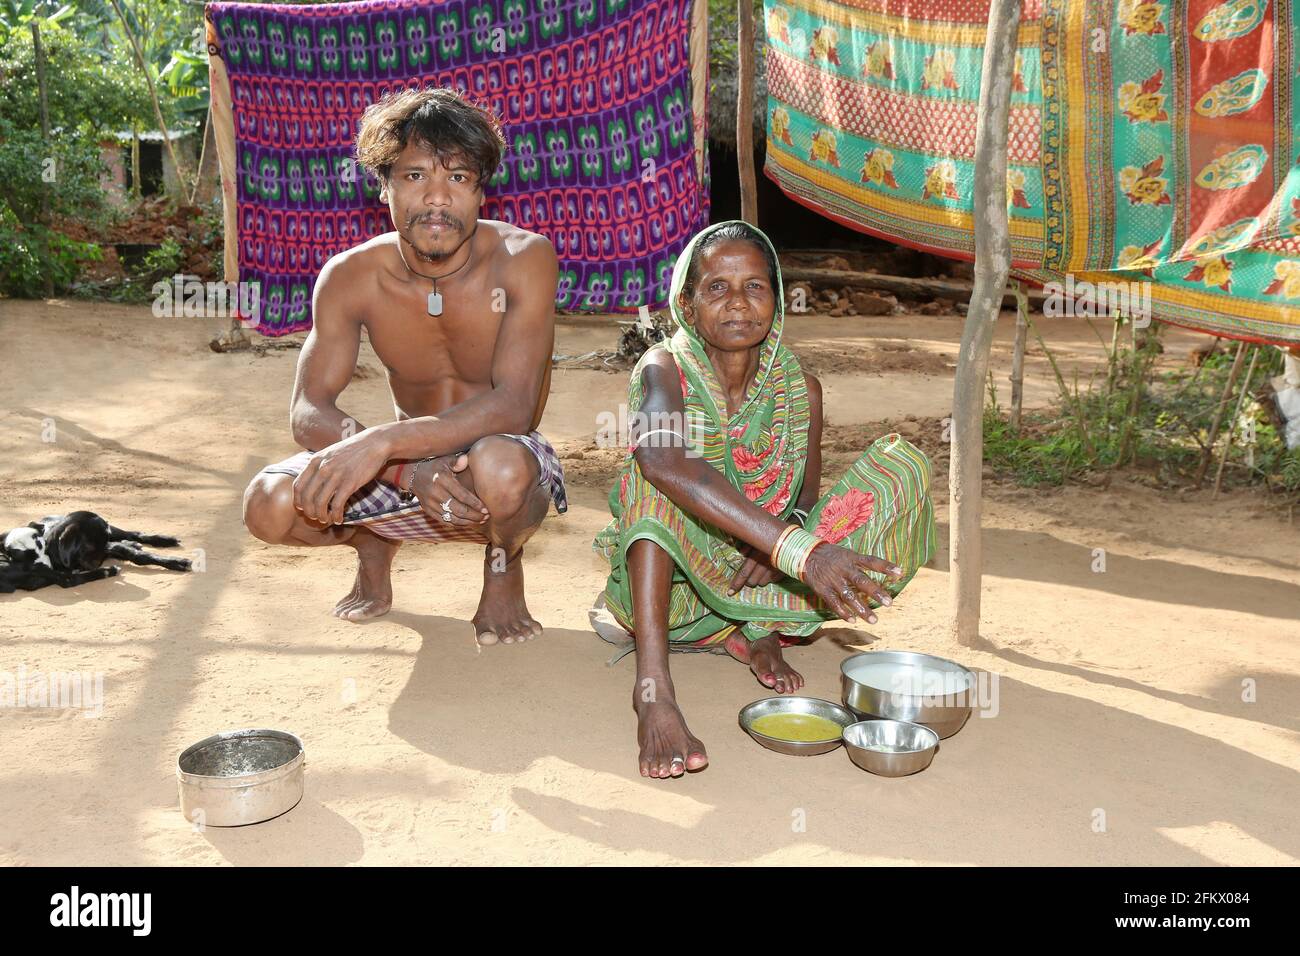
1236 416
1218 413
1018 355
745 112
992 264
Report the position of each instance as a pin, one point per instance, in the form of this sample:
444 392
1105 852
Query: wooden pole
1236 416
1218 413
992 263
1018 355
745 112
38 51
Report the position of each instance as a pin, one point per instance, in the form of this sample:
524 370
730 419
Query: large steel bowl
890 748
239 777
794 705
908 686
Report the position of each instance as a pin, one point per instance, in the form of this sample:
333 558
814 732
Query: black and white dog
70 549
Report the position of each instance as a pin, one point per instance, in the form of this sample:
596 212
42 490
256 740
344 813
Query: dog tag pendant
435 303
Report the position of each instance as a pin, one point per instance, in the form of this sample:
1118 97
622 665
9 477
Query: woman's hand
838 576
755 572
436 486
322 490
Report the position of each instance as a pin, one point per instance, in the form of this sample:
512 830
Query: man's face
734 302
434 206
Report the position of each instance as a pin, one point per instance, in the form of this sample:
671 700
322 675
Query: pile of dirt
149 224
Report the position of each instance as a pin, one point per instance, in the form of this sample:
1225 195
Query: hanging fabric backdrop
597 99
1151 143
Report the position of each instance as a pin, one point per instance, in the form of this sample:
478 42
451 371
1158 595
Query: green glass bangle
792 550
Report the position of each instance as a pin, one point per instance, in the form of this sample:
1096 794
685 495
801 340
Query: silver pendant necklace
435 297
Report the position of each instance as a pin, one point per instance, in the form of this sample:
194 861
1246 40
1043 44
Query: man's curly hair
442 121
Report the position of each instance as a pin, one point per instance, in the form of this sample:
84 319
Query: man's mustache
426 218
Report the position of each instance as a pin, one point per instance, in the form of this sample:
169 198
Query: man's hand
436 485
755 572
322 491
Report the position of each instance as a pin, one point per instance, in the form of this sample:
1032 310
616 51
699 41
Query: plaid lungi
378 506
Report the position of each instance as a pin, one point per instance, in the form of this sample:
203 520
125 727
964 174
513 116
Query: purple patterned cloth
594 99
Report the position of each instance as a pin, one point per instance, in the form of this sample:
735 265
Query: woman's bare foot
502 614
668 748
765 659
372 592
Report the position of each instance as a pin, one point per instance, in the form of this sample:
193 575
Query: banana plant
186 78
19 14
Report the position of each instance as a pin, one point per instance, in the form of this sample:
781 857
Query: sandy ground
1121 735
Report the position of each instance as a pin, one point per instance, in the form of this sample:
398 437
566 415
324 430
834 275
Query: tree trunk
992 263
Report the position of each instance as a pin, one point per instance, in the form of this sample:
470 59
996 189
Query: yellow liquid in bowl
800 728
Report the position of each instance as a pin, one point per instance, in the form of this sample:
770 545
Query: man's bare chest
421 349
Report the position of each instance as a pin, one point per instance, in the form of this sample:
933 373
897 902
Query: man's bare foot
765 659
372 592
668 748
502 614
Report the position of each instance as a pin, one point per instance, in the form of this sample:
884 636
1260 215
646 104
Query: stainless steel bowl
918 692
794 705
239 777
890 748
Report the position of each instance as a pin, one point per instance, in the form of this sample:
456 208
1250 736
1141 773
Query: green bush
1127 415
30 253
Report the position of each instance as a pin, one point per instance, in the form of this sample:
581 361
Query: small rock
838 310
937 307
908 429
838 263
869 303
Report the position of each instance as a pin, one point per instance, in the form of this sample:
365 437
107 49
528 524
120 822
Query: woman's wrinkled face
734 302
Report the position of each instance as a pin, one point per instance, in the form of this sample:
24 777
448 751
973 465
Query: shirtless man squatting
460 310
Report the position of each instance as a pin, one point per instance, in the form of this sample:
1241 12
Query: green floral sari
881 506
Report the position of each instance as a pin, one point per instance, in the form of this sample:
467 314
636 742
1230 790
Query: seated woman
708 545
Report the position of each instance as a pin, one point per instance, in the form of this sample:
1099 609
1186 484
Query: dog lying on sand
71 549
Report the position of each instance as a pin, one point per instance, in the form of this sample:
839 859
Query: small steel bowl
908 686
794 705
239 777
890 748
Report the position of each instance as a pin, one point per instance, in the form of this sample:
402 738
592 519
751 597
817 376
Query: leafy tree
81 94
